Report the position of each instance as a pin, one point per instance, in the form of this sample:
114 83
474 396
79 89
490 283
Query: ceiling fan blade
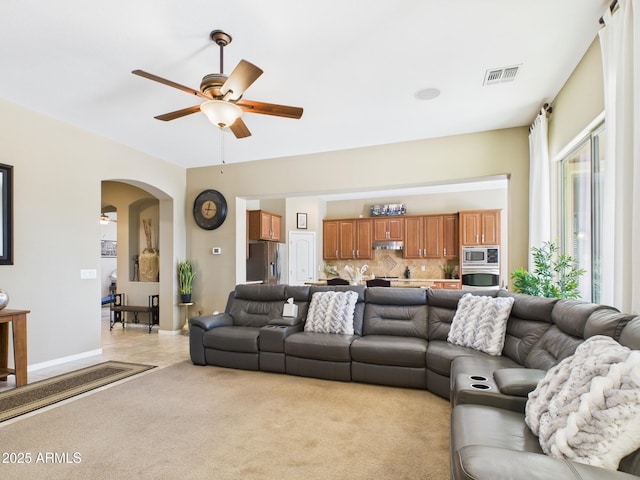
178 113
239 128
251 106
240 79
164 81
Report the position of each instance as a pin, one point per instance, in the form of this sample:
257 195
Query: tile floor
132 344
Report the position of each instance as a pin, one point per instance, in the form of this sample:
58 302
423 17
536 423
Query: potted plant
554 276
448 271
185 280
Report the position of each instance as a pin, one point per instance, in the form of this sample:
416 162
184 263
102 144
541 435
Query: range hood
388 245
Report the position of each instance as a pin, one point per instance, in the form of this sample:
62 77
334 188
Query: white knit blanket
587 407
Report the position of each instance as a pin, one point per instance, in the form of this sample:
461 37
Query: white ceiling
355 67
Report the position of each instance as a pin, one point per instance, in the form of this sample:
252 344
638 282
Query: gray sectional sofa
400 339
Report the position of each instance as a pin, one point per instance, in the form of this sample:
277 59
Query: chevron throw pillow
480 323
331 312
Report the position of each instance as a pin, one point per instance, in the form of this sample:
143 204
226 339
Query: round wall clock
209 209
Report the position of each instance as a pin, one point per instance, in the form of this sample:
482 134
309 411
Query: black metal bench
118 307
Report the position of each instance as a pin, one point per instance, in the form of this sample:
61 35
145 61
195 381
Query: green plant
448 269
554 275
185 277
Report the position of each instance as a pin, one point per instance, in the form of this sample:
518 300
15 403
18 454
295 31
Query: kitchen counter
452 284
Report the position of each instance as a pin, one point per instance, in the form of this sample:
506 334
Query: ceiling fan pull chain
221 151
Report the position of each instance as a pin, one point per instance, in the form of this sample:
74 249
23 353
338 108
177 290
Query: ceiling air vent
501 75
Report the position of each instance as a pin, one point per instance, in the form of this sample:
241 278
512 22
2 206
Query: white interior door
302 257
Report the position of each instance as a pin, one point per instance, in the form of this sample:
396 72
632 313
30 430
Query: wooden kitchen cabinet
347 239
413 237
431 236
448 284
330 240
264 225
450 236
480 227
388 229
434 230
364 242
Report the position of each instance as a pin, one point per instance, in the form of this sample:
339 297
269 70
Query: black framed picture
108 248
6 210
301 221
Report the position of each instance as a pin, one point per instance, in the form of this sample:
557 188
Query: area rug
194 422
46 392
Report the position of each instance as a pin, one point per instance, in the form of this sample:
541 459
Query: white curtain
539 189
620 42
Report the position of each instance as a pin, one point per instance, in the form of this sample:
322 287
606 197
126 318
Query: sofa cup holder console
478 382
481 386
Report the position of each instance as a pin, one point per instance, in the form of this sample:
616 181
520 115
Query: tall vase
149 265
149 259
4 299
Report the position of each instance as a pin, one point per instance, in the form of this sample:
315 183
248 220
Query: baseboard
170 332
60 361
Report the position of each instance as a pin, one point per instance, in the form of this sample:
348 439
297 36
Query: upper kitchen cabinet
364 243
413 237
450 238
431 236
264 225
347 239
388 229
480 227
330 240
434 232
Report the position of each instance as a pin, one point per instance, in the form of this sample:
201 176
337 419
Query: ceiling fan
222 94
106 219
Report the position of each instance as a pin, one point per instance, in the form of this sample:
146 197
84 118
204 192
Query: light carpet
194 422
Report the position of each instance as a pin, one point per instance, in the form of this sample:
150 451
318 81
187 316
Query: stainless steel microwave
480 256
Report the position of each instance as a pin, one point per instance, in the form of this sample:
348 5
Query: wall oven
481 279
480 268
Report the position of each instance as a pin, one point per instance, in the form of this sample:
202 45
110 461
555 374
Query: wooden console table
18 320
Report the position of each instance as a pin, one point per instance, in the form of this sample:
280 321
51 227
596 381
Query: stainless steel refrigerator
267 263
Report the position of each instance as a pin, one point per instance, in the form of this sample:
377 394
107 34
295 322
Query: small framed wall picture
301 221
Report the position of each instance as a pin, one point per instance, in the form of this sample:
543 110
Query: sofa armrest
208 322
518 381
479 462
285 321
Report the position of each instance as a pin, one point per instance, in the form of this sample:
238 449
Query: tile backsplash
389 263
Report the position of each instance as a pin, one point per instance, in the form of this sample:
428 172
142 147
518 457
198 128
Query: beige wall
579 102
58 170
433 161
578 106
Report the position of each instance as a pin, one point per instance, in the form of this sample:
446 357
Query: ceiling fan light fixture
221 113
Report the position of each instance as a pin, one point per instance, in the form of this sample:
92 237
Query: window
581 215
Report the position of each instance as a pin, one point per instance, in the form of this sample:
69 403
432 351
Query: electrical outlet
423 268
